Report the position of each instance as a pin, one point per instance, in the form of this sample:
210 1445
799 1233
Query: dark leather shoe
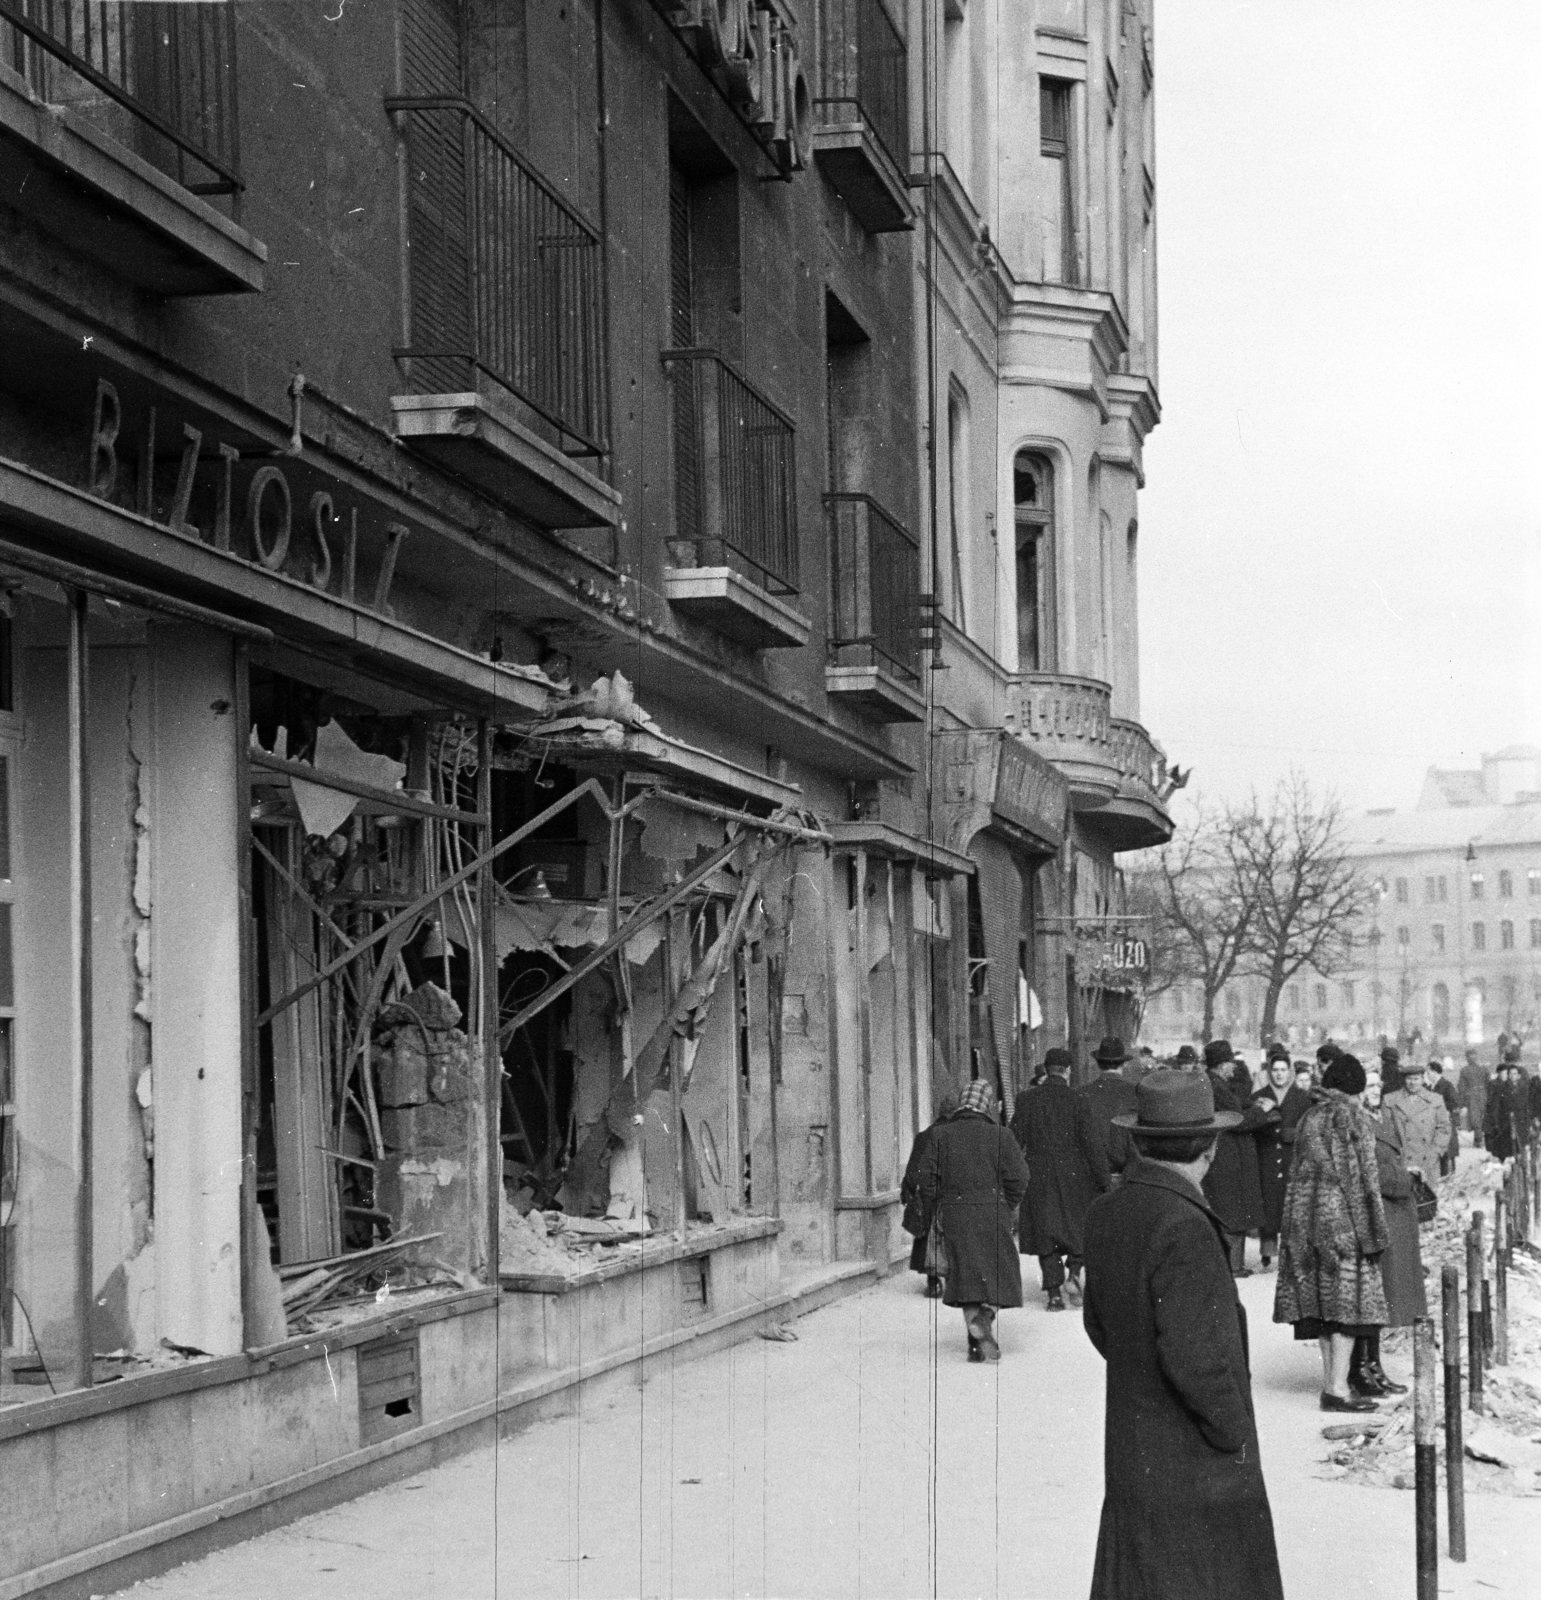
989 1350
1383 1383
1333 1402
1363 1384
975 1353
1056 1301
1241 1272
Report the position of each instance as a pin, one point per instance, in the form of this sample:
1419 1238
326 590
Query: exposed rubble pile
1503 1446
552 1244
328 1294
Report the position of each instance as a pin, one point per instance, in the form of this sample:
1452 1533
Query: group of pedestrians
1137 1192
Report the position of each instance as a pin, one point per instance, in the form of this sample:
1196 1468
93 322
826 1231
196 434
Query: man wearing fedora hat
1067 1168
1110 1094
1185 1512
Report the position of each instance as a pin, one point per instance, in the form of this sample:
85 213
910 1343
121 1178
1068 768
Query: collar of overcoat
1156 1176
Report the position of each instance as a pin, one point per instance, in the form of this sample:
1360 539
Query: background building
568 642
1451 955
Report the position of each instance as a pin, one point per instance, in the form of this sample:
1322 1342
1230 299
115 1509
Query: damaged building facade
567 668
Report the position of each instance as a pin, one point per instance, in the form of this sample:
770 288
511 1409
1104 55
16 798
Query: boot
1376 1372
933 1288
1360 1382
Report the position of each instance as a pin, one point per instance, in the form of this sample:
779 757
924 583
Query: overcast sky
1340 534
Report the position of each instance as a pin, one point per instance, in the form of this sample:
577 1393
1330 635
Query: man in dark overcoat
1067 1168
1472 1092
1185 1512
1110 1094
972 1173
1233 1185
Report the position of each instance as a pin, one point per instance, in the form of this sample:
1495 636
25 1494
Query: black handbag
1427 1200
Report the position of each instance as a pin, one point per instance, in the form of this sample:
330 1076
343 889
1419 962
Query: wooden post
1455 1472
1500 1334
1425 1460
1474 1314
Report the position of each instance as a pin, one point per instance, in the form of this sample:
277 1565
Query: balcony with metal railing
505 357
1117 772
861 140
119 128
733 553
875 611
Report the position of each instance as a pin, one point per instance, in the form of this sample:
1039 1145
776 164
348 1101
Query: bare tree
1306 895
1201 903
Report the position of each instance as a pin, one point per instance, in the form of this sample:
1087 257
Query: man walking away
1109 1095
1472 1092
1185 1512
972 1173
1067 1168
1233 1184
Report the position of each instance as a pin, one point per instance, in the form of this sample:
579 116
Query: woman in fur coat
1334 1230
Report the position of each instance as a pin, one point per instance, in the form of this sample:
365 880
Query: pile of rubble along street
1503 1445
537 1244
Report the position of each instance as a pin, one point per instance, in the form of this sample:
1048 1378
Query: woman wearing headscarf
926 1252
1334 1230
973 1176
1401 1263
1285 1104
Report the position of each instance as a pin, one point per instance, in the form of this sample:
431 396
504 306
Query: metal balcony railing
735 476
504 275
159 78
875 587
864 73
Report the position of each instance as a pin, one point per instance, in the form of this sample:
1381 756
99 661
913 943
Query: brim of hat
1221 1121
1112 1061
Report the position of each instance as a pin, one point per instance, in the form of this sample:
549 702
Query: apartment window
1404 990
1479 936
1433 890
1321 997
1437 933
1056 143
1033 491
1401 891
1506 935
1535 933
1476 886
1348 995
1506 885
1403 936
1440 883
1533 881
1294 997
1440 1002
957 500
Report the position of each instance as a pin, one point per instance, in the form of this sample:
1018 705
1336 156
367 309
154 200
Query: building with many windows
568 582
1451 955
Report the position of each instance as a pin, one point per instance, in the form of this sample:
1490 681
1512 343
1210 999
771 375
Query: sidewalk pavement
866 1459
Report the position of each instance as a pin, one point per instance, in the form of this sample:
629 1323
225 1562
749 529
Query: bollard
1455 1469
1474 1315
1425 1460
1500 1336
1487 1325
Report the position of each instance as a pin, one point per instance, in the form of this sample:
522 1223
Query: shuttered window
685 378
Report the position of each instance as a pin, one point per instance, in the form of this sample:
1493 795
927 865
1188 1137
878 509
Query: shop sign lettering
1029 791
246 509
750 50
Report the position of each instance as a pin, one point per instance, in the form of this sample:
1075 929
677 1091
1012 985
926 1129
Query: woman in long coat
1285 1104
1506 1113
1401 1263
916 1220
1334 1230
973 1175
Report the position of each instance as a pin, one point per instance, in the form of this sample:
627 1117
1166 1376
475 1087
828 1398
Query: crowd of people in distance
1138 1192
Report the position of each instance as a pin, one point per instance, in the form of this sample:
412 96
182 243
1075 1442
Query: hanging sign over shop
750 50
1029 791
283 518
1111 958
